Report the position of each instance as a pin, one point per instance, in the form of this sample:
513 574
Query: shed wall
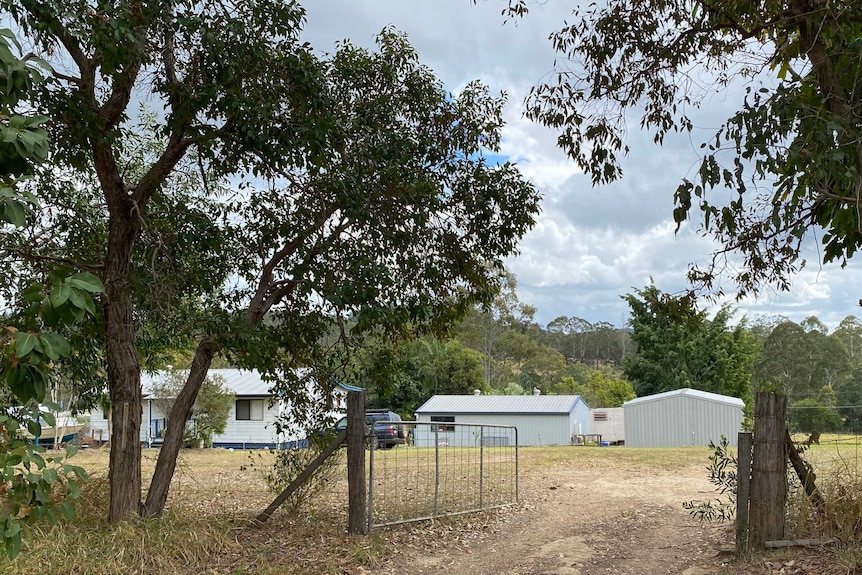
681 420
555 429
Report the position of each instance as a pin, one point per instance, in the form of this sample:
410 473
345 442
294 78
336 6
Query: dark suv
387 427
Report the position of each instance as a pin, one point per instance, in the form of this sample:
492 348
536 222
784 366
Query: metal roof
695 393
497 404
243 383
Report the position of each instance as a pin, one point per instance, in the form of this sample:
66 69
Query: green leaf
13 528
15 213
81 473
55 346
59 295
33 293
87 282
74 491
13 546
40 384
78 297
34 427
67 510
49 314
25 343
49 418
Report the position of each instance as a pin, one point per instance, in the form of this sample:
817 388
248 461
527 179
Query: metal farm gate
445 469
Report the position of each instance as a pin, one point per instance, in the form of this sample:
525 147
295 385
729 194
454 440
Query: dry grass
623 458
208 528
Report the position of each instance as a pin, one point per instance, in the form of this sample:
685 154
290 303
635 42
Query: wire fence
444 469
834 453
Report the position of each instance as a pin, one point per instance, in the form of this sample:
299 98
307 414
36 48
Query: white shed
251 422
609 422
682 417
540 419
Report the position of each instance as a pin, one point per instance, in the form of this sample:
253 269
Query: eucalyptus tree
787 164
345 194
849 333
800 362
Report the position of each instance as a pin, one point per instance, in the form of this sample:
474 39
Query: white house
539 419
609 422
250 425
682 417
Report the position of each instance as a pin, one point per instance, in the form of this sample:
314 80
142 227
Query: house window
443 419
600 416
249 410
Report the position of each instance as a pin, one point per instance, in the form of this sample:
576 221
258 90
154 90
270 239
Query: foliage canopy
790 158
283 205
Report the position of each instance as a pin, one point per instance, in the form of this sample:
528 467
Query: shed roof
686 391
501 404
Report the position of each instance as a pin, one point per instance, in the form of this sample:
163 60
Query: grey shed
682 417
540 419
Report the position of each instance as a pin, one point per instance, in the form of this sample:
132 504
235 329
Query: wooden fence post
357 512
743 491
768 470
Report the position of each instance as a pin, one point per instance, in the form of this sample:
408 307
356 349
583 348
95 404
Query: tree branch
30 256
38 11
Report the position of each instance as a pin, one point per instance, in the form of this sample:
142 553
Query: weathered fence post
356 500
743 491
769 469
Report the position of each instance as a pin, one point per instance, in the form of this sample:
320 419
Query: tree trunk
124 373
160 484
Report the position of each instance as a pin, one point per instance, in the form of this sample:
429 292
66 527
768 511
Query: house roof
688 392
242 383
501 404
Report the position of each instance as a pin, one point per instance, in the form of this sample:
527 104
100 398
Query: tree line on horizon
668 344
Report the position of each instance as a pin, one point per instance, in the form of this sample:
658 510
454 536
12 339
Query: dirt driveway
583 519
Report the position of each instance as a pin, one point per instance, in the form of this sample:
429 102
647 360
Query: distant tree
812 417
813 323
849 333
579 340
210 412
849 399
543 368
212 409
456 370
678 347
513 388
800 362
492 329
403 377
606 391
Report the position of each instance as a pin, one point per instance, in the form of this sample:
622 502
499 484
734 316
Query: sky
590 245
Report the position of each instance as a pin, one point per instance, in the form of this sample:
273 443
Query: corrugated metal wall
681 420
532 429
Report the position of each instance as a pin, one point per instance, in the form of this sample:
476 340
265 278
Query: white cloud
590 245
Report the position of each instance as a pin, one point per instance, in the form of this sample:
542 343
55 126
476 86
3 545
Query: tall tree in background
849 333
364 196
801 362
790 158
679 347
489 328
